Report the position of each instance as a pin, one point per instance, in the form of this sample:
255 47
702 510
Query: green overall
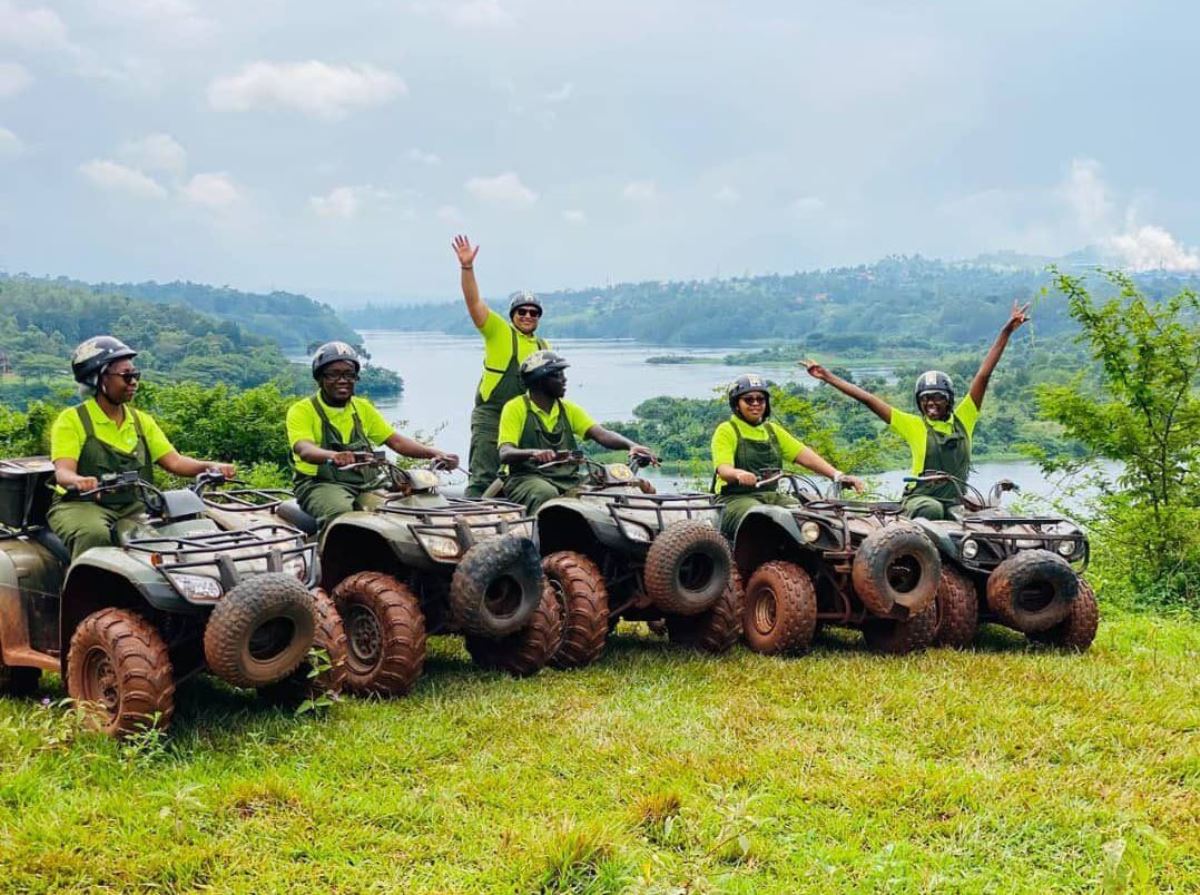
84 523
752 456
484 457
334 491
943 453
530 486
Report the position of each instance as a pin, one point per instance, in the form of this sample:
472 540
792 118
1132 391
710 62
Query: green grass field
1007 769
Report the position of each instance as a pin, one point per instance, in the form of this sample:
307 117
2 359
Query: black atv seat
53 543
289 511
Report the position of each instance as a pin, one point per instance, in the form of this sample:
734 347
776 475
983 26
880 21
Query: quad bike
830 561
176 594
614 549
1018 570
414 563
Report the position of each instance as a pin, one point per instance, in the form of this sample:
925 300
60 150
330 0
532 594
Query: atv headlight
197 587
1028 543
637 532
296 565
1066 548
970 549
810 531
440 546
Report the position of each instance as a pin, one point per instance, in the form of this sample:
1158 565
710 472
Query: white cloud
640 191
314 88
478 14
13 79
503 189
562 94
346 202
214 190
449 214
33 28
727 195
172 18
1086 193
807 205
1153 248
114 177
156 152
10 144
574 216
424 158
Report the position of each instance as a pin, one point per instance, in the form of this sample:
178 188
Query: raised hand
1016 317
465 251
815 370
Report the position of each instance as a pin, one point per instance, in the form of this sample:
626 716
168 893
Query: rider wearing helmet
746 445
537 426
105 434
505 345
327 430
939 438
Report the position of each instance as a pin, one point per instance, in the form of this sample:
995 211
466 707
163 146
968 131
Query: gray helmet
933 381
334 351
522 299
748 382
90 358
541 364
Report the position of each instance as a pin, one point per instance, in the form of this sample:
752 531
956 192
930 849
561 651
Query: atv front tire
497 586
716 629
779 614
896 565
687 568
530 649
301 684
1032 591
894 637
1077 631
260 631
578 585
957 610
385 633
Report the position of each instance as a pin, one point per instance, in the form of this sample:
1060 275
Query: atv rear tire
119 672
1032 591
687 568
496 586
957 610
896 566
1077 631
779 613
19 680
578 585
716 629
385 633
530 649
260 631
894 637
301 685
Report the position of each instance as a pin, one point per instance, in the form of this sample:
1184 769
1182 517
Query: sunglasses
340 377
754 399
527 312
130 376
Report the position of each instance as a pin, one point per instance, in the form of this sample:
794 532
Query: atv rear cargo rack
460 524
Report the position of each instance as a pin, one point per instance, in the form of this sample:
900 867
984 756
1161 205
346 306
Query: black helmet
522 299
933 381
748 382
333 351
91 357
541 364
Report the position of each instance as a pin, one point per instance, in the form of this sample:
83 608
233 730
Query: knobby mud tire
529 650
715 630
1032 591
385 633
330 637
957 610
893 637
896 565
578 585
687 568
497 586
779 611
273 599
119 672
1077 631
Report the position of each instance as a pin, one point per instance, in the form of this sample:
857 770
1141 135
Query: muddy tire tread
1076 632
528 651
1001 591
892 637
717 629
957 610
664 556
795 608
403 628
868 577
331 637
585 616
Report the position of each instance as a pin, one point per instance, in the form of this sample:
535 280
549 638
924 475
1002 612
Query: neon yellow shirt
67 434
513 416
497 350
303 424
724 442
911 427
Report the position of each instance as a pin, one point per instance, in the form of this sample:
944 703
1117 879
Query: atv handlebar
123 481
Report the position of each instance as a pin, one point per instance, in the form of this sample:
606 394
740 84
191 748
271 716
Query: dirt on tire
529 650
1032 591
687 568
779 612
301 684
715 630
957 610
497 586
119 671
895 637
578 585
1077 631
896 565
385 633
260 631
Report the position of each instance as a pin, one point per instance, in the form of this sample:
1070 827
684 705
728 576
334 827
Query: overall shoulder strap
86 419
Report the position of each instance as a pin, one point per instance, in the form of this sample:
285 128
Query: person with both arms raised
505 346
106 435
537 426
327 430
939 439
747 444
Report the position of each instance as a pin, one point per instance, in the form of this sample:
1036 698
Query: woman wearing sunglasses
105 434
505 346
746 445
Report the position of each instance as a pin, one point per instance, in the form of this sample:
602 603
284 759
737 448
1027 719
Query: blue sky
334 149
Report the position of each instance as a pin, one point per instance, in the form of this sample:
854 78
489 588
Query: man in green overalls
536 426
327 430
505 346
747 444
105 434
939 440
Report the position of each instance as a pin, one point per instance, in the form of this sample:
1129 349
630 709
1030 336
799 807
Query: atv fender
939 533
570 514
143 578
759 536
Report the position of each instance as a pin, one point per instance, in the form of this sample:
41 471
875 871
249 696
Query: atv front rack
445 533
231 554
652 513
246 500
